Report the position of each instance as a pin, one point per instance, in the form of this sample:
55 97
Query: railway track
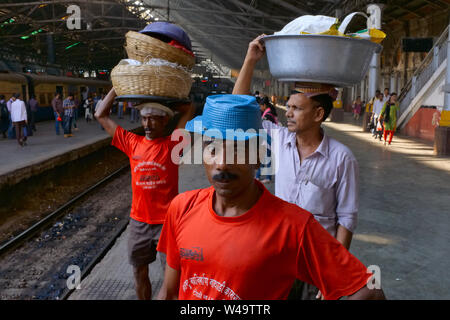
46 221
67 292
41 274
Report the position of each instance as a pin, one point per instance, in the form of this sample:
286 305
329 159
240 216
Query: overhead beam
281 20
291 7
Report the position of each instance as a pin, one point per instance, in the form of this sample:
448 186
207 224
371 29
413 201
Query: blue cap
225 114
169 30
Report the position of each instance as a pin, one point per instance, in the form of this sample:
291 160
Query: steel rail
67 292
31 231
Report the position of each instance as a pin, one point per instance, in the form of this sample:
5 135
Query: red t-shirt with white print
255 256
154 176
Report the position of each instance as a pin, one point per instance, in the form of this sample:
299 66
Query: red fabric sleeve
124 140
326 263
167 241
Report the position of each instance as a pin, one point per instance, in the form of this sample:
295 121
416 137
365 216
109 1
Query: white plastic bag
308 24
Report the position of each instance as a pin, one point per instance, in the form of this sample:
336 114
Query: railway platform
402 228
46 150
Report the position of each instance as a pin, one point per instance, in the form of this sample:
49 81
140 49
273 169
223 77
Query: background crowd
18 117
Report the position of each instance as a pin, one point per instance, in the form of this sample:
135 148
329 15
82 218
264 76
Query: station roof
220 29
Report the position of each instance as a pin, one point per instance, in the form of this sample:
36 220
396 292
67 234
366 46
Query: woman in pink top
357 107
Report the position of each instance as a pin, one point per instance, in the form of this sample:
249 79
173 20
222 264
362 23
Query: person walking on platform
369 112
389 116
386 95
133 113
237 241
317 173
4 117
377 107
120 110
95 98
357 107
75 111
154 179
89 109
34 105
269 113
19 118
69 109
99 102
11 129
58 111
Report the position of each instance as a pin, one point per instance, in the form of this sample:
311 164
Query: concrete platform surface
45 145
403 226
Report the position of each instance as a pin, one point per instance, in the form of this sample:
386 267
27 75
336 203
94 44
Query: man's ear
320 113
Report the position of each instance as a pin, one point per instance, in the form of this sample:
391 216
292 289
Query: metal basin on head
341 61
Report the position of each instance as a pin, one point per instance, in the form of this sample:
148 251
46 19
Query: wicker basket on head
163 81
142 48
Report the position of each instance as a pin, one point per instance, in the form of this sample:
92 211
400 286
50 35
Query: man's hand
367 294
256 49
170 286
255 52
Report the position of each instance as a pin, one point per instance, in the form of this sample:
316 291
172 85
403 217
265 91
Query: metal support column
374 10
393 84
447 79
442 132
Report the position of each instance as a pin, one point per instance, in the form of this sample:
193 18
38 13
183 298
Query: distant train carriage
11 83
204 88
44 88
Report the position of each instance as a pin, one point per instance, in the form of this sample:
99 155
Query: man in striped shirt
68 106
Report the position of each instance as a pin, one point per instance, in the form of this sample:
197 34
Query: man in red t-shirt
235 240
154 180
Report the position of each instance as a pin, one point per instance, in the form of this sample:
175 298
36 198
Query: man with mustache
154 180
235 240
316 172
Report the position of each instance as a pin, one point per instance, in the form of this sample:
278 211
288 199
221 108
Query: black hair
2 97
256 92
393 94
16 95
267 102
324 101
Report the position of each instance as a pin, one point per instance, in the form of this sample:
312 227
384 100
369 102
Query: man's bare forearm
344 236
187 113
105 107
244 80
103 112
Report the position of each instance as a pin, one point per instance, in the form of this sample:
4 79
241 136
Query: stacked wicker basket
153 80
